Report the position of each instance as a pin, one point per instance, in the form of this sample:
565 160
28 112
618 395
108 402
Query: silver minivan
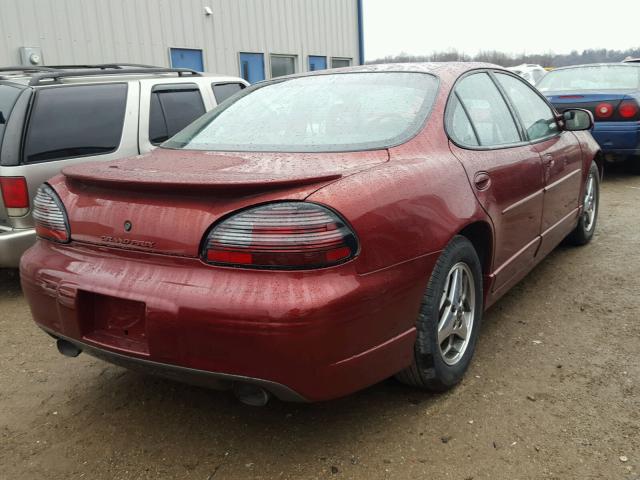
51 117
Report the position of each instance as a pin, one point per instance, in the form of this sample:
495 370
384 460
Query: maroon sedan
316 234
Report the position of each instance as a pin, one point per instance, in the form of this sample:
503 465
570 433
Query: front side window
222 91
538 119
339 112
487 110
282 65
173 107
592 77
75 121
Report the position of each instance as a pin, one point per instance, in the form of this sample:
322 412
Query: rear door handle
482 180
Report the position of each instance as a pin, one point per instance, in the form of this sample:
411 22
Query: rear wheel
448 321
632 165
586 227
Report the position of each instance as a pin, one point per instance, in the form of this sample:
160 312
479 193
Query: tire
434 368
586 227
632 165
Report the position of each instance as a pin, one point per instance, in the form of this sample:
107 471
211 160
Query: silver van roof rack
55 75
102 66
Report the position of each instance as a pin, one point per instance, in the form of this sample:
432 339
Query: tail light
604 110
628 109
15 195
50 216
282 235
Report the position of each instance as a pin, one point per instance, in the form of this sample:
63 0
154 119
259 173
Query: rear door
503 169
71 124
561 157
167 106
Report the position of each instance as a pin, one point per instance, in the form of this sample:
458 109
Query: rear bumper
620 138
302 335
13 243
214 380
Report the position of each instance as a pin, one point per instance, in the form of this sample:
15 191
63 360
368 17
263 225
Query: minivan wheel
586 227
449 320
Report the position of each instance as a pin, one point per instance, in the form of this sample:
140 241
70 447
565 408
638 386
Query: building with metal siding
211 34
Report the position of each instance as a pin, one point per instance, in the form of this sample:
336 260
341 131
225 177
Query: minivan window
173 107
75 121
8 96
222 91
487 110
537 117
332 112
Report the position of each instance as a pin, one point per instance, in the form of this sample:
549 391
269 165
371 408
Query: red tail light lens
604 110
15 195
50 216
283 235
628 109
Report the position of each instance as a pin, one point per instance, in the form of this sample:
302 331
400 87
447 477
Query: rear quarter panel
411 206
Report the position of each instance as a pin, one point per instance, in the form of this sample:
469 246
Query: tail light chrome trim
50 216
281 235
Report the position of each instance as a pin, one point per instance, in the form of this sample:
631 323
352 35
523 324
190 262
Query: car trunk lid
589 101
165 201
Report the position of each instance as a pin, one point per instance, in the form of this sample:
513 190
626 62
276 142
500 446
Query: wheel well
599 159
481 237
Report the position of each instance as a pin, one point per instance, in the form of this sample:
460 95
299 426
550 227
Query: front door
561 159
504 171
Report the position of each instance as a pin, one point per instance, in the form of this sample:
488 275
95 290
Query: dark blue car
611 91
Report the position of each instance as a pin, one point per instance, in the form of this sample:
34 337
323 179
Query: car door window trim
515 112
488 147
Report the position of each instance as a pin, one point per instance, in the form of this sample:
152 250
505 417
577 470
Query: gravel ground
552 394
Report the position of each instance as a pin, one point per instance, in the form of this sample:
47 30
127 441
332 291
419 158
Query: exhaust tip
67 348
251 395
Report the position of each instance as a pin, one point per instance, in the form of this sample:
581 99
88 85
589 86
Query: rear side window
459 125
222 91
538 119
75 121
173 107
487 110
8 97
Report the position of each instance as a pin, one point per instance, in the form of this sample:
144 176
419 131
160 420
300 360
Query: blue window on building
187 58
317 63
252 67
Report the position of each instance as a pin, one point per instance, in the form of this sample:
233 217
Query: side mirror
576 119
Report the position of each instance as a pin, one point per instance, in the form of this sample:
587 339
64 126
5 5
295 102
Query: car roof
424 67
436 68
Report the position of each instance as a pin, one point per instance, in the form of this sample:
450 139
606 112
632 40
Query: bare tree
548 59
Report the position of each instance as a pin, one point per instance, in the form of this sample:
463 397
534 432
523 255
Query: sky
517 26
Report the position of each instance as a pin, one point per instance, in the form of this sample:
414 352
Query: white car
530 72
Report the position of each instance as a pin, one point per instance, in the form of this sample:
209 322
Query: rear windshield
8 96
334 112
596 77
